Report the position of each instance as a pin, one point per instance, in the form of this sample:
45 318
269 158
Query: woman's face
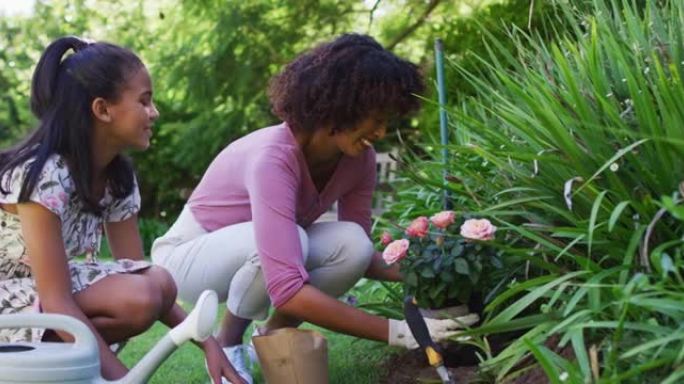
134 113
353 142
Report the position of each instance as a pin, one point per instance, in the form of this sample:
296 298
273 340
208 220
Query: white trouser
336 256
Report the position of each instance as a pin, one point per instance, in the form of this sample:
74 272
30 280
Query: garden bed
412 367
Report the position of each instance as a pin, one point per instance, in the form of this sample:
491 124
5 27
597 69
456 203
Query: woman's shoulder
275 136
265 145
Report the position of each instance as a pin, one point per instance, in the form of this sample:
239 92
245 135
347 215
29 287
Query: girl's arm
124 239
43 237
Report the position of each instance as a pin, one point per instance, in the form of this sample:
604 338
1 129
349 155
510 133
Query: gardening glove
445 313
400 334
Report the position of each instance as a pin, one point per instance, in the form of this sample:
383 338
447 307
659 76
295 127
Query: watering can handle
83 337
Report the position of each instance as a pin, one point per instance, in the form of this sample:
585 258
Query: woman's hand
218 365
400 334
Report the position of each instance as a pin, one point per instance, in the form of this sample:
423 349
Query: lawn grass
350 360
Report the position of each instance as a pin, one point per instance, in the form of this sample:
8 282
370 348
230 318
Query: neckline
305 166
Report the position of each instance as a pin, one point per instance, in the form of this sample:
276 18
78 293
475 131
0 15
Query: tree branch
421 19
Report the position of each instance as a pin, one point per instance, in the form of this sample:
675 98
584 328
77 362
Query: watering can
79 362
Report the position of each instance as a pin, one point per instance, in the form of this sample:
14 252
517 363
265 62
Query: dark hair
62 91
342 82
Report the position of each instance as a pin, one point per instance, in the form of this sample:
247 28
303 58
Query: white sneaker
236 356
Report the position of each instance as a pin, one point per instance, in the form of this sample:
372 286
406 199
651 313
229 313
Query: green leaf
461 266
592 220
543 356
447 276
427 272
615 215
457 250
521 304
672 207
619 154
411 279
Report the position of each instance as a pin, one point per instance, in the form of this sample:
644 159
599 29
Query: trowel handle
417 324
83 337
421 333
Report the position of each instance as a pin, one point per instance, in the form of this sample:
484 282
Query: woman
248 229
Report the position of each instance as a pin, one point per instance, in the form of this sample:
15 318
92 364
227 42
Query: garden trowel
420 331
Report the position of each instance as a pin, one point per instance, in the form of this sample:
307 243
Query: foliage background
211 61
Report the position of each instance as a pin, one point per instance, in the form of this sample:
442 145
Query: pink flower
443 219
419 227
395 251
478 229
64 198
52 202
385 238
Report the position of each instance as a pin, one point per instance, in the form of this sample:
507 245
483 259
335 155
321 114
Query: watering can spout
197 326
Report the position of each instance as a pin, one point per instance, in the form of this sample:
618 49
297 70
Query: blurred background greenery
211 61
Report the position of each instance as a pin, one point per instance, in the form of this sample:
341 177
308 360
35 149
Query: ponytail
62 92
47 70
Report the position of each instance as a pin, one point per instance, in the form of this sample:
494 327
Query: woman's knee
356 248
304 241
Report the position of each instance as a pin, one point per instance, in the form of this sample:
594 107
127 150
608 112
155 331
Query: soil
411 367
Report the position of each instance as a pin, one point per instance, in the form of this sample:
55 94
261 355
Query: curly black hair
342 82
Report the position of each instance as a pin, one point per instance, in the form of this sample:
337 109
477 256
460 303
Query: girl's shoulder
52 188
54 174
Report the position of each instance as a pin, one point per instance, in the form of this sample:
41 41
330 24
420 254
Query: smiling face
353 142
133 113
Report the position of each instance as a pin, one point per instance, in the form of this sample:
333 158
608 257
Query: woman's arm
42 234
124 239
379 270
312 305
355 206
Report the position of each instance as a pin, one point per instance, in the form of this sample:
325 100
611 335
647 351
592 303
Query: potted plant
443 267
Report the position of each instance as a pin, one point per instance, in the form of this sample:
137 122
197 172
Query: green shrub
574 148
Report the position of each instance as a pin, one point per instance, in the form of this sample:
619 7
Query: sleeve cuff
287 285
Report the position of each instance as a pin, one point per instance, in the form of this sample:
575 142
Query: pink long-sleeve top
263 177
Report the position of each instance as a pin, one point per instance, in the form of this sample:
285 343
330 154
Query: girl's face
134 113
353 142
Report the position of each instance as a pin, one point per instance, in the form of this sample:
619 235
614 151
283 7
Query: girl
66 183
248 229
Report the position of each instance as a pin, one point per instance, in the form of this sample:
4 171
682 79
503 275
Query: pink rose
385 238
419 227
443 219
478 229
395 251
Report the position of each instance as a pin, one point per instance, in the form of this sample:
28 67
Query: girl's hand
218 365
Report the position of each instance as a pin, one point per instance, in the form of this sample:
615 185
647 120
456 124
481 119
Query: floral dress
81 233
